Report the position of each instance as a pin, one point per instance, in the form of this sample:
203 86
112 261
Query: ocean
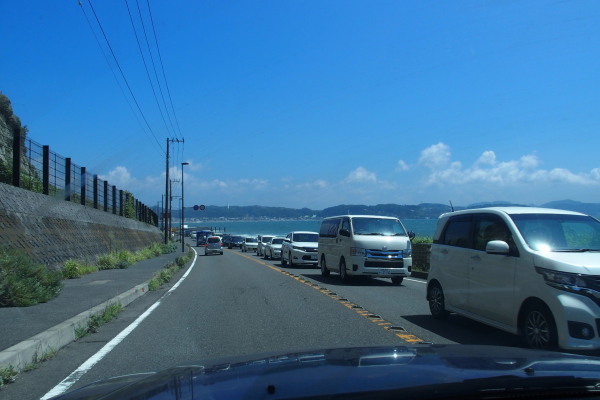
421 227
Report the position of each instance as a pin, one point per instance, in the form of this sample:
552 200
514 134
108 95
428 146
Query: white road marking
70 380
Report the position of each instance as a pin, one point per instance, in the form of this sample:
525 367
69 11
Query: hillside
418 211
9 123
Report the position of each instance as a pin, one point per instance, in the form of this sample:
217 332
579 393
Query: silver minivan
528 271
368 245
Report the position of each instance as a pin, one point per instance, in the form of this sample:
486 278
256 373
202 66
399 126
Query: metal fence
34 167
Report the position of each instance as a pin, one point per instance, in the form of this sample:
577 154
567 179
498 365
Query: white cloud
402 166
435 156
487 169
361 174
120 177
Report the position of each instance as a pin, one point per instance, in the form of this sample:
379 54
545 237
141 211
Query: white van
368 245
528 271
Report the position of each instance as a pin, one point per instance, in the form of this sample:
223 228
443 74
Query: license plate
383 272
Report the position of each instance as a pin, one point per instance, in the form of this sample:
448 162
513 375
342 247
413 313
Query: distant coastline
419 211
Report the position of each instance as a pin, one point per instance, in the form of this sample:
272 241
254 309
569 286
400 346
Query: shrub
71 269
24 283
180 261
107 261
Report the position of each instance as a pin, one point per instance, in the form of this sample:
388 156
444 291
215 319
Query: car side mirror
345 232
497 247
411 235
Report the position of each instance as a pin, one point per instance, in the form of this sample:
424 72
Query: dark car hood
434 371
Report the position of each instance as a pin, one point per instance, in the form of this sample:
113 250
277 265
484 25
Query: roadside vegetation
25 283
166 274
97 320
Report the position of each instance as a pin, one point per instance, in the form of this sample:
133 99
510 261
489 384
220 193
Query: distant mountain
418 211
592 209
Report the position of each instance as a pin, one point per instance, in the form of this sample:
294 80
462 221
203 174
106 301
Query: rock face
9 124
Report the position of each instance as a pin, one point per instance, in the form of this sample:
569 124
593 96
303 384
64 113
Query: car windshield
559 232
251 240
266 239
306 237
277 241
378 227
213 240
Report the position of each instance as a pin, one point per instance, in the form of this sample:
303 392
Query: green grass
7 375
97 320
166 274
73 269
25 283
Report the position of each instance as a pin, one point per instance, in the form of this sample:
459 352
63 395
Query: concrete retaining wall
51 230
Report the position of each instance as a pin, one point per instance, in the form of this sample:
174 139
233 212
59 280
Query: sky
314 103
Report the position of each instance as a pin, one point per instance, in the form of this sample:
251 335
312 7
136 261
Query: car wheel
283 262
397 280
343 274
266 256
290 259
539 329
437 305
324 270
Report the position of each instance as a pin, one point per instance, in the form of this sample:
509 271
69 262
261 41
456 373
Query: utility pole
167 190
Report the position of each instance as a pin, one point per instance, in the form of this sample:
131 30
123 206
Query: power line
146 65
154 67
123 74
112 70
163 68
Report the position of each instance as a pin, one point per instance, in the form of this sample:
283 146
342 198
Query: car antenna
451 206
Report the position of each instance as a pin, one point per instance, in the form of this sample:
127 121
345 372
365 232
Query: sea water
421 227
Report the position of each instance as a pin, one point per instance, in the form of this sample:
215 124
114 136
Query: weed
37 359
97 320
107 261
7 375
24 283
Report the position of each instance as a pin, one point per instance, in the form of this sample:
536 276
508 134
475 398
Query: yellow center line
405 336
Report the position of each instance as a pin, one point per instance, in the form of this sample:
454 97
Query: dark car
235 241
226 239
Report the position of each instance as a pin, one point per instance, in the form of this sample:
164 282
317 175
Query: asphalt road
240 304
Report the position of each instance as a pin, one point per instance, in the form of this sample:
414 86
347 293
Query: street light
182 231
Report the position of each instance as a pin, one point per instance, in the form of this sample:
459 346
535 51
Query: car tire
343 273
435 298
538 327
324 271
397 280
283 262
290 259
266 257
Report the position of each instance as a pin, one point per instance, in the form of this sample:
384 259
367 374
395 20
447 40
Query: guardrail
36 168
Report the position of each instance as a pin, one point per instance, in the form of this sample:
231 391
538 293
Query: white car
273 247
300 247
249 244
528 271
262 243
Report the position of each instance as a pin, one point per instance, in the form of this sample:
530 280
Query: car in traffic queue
249 244
213 246
300 247
262 243
525 270
273 247
368 245
235 241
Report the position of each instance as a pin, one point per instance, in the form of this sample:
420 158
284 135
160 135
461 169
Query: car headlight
357 251
554 278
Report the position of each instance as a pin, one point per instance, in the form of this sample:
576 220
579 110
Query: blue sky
318 103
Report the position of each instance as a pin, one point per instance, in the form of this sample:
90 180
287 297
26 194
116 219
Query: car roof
512 210
362 216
